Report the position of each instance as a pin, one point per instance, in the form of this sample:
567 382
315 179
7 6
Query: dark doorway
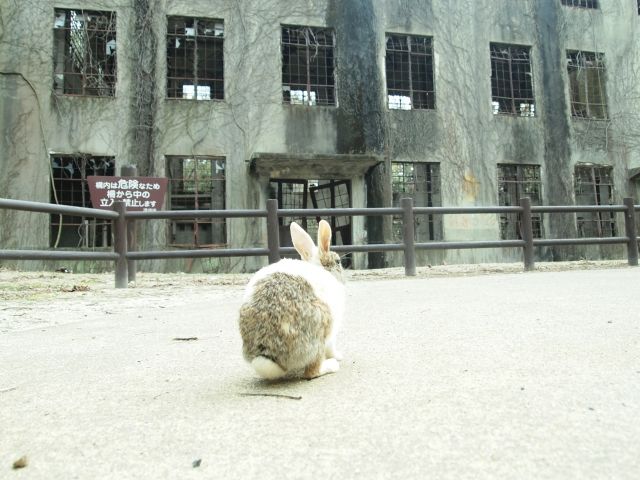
299 193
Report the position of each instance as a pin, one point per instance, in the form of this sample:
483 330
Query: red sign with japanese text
139 193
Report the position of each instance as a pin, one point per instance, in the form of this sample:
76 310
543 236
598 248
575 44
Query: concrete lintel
312 166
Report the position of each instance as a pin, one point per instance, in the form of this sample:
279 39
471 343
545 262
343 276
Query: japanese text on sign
139 193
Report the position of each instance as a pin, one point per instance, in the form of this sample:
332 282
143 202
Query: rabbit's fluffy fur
292 310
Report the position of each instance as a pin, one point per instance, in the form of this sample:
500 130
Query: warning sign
144 194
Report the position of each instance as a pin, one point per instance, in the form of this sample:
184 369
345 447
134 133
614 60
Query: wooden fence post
273 232
408 237
120 244
526 226
132 243
631 231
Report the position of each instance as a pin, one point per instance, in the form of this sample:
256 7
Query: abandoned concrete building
321 103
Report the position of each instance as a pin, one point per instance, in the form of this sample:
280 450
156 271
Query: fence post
273 232
631 231
120 244
526 226
132 243
408 237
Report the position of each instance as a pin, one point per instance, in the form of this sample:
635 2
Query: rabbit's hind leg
320 367
331 351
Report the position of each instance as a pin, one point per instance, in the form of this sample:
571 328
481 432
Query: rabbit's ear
324 236
301 241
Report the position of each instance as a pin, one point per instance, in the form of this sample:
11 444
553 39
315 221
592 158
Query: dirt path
43 299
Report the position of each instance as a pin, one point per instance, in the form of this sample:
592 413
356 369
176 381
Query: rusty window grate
409 71
84 53
291 194
334 194
587 84
594 186
70 187
515 182
308 66
420 181
298 193
197 183
511 80
195 58
580 3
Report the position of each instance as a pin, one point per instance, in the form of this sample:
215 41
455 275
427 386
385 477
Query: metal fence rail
124 223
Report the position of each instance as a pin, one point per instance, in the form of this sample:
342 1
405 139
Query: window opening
511 80
291 194
70 187
421 182
515 182
334 194
195 58
316 194
580 3
308 66
587 84
197 183
84 53
409 71
594 186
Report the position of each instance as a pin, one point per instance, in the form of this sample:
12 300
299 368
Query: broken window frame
512 90
85 52
409 64
594 186
514 182
69 186
588 95
334 194
187 190
291 194
296 193
310 80
591 4
409 180
195 58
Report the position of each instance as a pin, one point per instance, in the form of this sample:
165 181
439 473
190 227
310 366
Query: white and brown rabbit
292 310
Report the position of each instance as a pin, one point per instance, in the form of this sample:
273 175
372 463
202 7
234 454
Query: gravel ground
34 286
42 299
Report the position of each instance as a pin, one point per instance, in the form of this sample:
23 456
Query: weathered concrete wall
139 126
361 112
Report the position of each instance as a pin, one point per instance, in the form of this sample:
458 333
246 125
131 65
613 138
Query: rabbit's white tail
267 368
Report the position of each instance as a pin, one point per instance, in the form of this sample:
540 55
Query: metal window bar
197 183
580 3
594 186
586 71
85 52
515 182
70 187
409 72
333 194
195 58
308 66
420 182
290 194
511 80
